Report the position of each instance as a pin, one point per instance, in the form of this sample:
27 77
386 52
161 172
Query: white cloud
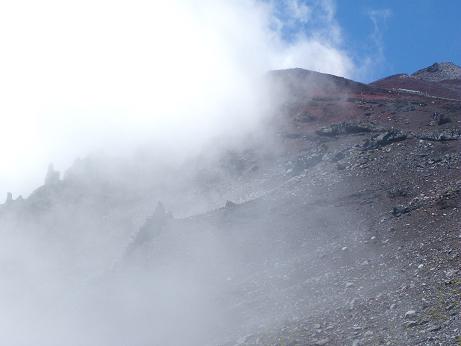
299 10
112 75
378 17
376 57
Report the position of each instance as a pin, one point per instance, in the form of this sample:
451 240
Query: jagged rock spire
9 198
230 204
52 176
151 229
159 210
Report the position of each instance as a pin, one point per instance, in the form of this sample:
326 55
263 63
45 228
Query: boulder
345 128
414 204
441 135
385 138
440 119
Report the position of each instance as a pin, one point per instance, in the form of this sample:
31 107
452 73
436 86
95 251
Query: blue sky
410 34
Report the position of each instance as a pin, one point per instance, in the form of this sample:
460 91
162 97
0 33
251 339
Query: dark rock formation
346 128
441 135
151 229
403 209
230 204
9 198
52 176
439 119
388 137
438 72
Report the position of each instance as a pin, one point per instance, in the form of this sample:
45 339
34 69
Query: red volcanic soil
447 88
439 80
311 100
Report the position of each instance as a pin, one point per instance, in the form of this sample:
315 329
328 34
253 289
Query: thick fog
136 102
113 76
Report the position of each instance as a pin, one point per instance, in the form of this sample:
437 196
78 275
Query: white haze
112 76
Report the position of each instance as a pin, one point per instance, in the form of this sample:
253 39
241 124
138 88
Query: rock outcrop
388 137
9 198
438 72
441 135
346 128
52 176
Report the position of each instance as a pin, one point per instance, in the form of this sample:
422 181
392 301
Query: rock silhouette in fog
52 176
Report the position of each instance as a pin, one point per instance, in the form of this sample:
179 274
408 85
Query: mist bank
65 248
99 76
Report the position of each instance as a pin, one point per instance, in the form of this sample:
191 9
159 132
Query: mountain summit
439 71
439 80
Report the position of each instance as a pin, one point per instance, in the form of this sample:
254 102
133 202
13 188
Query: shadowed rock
345 128
439 119
383 139
9 198
441 135
52 176
230 204
150 230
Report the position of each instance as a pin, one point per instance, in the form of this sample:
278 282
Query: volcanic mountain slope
439 79
347 234
297 82
358 245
